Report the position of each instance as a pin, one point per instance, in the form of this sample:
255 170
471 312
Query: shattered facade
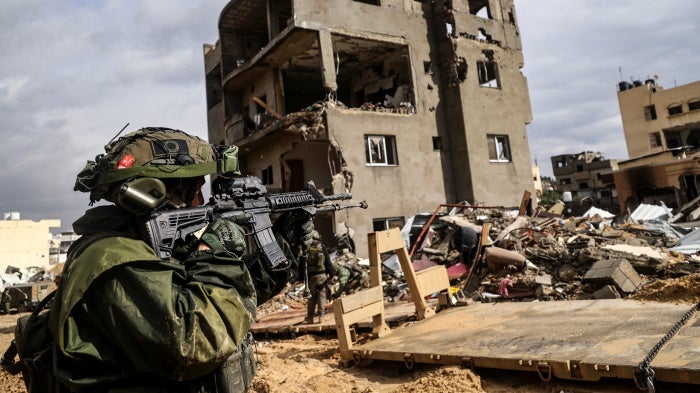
662 131
588 177
403 103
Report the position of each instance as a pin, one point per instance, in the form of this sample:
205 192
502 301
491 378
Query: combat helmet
130 171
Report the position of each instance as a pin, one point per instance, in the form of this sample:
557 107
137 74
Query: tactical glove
296 227
225 236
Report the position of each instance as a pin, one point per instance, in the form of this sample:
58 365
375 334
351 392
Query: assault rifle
244 200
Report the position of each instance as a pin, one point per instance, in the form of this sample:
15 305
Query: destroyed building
662 132
403 103
588 178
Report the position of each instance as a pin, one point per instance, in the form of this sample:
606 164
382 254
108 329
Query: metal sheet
571 340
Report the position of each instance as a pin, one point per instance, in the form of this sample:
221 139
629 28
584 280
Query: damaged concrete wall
496 110
412 186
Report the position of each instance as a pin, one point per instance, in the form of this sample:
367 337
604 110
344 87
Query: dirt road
310 364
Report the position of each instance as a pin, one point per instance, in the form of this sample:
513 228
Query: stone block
616 272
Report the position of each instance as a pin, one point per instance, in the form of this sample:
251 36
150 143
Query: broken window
488 73
693 105
655 139
675 109
374 75
499 148
382 224
480 8
673 139
266 175
565 180
650 112
381 150
428 67
583 185
579 168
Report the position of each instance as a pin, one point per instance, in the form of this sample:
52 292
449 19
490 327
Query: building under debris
403 103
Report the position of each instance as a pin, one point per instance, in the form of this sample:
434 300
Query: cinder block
616 272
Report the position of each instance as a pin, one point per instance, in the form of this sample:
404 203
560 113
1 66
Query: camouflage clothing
126 321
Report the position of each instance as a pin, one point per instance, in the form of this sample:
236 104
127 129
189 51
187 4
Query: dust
685 289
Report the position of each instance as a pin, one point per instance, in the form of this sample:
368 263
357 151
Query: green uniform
126 321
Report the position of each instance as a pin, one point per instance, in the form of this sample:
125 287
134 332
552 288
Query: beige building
406 104
662 131
655 119
25 243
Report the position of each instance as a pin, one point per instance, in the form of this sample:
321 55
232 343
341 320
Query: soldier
128 321
318 270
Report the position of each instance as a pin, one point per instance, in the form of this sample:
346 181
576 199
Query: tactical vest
235 375
316 259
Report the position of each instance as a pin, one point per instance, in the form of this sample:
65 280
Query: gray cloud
74 72
573 54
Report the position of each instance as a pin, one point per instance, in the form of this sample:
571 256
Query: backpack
33 346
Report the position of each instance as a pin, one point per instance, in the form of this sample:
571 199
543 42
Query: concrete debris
544 257
552 257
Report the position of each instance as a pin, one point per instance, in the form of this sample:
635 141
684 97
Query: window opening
480 8
650 112
655 139
437 143
565 180
673 139
382 224
693 105
428 67
583 185
499 148
381 150
488 71
266 175
675 110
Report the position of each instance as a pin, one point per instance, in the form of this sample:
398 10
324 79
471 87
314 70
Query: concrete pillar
327 60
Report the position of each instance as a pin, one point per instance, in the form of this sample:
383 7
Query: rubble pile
552 257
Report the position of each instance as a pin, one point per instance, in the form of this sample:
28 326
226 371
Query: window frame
655 139
675 109
387 222
650 112
493 147
482 70
387 148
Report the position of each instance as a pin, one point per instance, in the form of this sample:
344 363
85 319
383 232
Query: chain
644 376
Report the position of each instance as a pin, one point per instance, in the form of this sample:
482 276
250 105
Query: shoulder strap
7 361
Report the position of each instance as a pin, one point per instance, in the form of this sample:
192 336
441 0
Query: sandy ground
309 363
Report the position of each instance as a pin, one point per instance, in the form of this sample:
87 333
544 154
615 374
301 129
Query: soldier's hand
297 227
224 236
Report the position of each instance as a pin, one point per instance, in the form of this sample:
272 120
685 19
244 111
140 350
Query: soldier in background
316 265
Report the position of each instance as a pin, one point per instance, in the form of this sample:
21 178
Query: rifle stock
245 201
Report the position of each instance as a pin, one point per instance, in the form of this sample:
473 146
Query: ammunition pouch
236 374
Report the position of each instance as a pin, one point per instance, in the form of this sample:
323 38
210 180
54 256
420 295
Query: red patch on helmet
126 162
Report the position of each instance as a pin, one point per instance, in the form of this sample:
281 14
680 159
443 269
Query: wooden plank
360 299
433 279
588 339
267 107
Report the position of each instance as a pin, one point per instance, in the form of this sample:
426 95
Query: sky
74 72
